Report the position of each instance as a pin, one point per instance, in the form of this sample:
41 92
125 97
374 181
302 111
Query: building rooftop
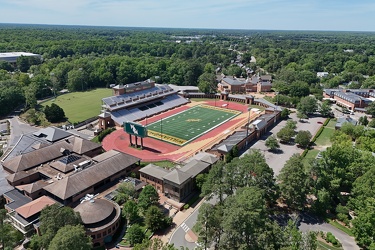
79 181
17 199
34 206
52 134
95 210
154 171
232 81
177 176
11 57
195 167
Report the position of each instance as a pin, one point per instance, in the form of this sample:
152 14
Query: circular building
101 219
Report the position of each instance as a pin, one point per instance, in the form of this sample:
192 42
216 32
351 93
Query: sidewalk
178 220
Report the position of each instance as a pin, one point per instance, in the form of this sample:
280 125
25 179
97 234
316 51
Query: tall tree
125 191
54 113
135 234
155 219
9 236
272 144
308 105
293 182
130 211
364 224
148 197
303 138
54 217
71 237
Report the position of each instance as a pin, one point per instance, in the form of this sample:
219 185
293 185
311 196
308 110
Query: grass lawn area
331 124
311 154
189 124
79 106
324 138
341 227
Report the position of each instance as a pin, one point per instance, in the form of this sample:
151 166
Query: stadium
174 128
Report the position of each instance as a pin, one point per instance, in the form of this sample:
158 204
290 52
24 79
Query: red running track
155 150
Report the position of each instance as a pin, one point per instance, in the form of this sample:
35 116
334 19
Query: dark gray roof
259 124
18 199
52 134
345 119
205 157
177 176
231 141
232 81
195 167
154 171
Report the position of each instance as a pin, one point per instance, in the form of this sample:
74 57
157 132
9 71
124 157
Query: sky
340 15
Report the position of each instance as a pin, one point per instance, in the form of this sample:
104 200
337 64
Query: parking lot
277 160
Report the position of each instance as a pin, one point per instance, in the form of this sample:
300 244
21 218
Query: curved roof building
101 219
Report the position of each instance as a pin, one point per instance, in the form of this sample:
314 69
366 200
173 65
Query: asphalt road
311 223
178 236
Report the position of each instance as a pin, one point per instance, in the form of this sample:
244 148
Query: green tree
54 113
291 124
77 80
125 191
363 120
52 218
301 116
325 109
299 89
200 180
155 219
148 197
153 244
207 82
371 124
307 105
243 211
285 134
364 224
271 143
293 182
71 237
285 113
9 236
303 138
370 109
135 234
130 211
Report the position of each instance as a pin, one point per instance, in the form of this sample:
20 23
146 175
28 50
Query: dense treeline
81 58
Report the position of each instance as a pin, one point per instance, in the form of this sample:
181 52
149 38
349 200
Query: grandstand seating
114 103
159 99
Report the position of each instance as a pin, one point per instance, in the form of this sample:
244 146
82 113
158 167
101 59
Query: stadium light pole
161 128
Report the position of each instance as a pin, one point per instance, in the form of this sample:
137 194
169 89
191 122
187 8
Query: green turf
324 138
189 124
79 106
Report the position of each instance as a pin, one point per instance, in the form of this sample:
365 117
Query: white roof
12 54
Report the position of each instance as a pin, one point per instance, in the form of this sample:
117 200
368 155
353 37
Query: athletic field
80 106
189 124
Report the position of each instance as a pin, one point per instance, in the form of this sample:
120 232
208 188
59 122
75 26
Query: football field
189 124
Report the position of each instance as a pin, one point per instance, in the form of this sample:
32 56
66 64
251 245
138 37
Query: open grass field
190 124
79 106
324 138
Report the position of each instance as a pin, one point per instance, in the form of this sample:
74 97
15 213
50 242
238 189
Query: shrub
186 206
104 133
332 239
326 122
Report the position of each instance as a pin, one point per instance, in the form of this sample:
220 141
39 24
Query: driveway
312 223
277 160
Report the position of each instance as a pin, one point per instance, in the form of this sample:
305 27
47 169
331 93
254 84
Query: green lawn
311 154
163 164
324 138
324 246
189 124
79 106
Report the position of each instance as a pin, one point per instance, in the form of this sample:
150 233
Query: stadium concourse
157 150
